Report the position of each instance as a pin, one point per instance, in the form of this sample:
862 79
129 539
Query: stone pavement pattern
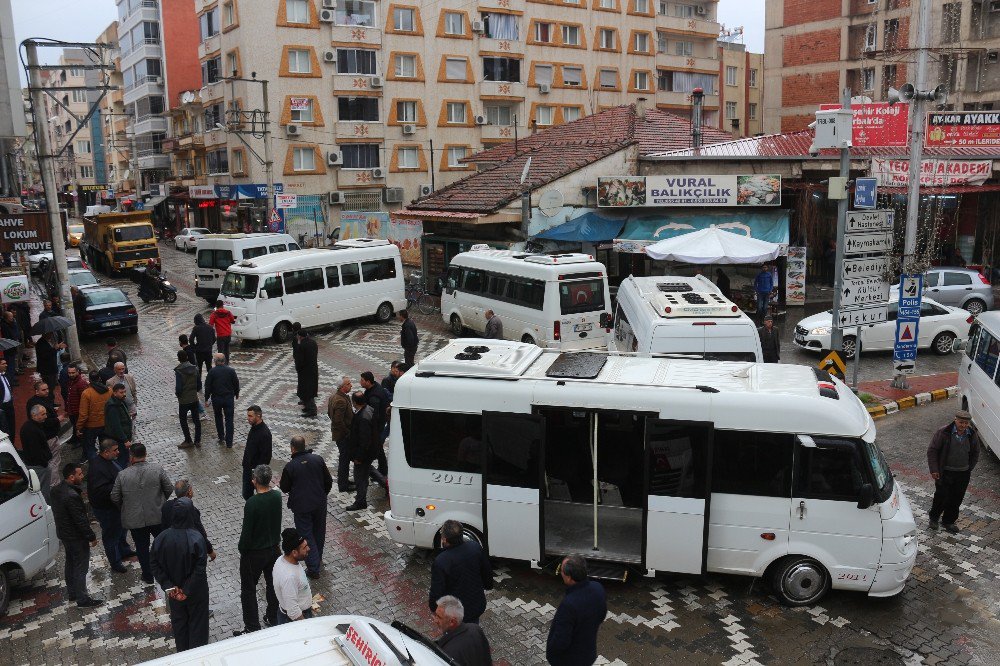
947 613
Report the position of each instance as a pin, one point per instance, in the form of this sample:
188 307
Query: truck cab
116 242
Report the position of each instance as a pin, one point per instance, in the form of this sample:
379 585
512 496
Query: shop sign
14 289
300 103
933 173
689 191
25 232
963 128
201 192
93 188
879 124
286 200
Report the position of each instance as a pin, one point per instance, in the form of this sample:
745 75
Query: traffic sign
864 291
862 221
833 364
870 314
855 268
910 291
865 190
868 242
903 367
904 351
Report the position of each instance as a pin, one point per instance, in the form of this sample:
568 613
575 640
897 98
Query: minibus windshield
880 470
240 285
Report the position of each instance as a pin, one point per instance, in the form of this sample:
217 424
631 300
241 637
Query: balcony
148 86
153 161
511 89
683 99
191 141
149 48
359 130
213 91
150 124
509 5
513 46
677 62
211 45
357 34
146 12
499 132
215 138
702 25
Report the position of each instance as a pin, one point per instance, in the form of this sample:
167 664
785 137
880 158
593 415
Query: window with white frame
641 80
297 11
544 115
231 63
571 113
730 110
608 78
752 110
684 11
236 162
302 109
355 12
662 7
642 42
303 159
870 36
228 14
456 112
607 38
357 109
642 6
406 111
299 61
572 76
406 66
571 35
868 79
661 42
455 156
454 69
407 157
209 24
753 77
608 4
731 75
543 74
499 114
454 23
79 95
403 19
83 147
543 32
86 171
683 48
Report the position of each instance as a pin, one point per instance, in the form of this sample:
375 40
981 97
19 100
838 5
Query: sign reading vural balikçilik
25 232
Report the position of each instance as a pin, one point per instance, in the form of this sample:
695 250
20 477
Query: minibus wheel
799 580
456 325
384 313
4 591
282 332
468 531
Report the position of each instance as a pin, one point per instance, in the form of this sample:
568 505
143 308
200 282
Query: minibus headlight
820 330
907 544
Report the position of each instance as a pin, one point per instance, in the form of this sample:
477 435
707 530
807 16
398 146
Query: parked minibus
217 252
360 277
978 380
649 463
551 300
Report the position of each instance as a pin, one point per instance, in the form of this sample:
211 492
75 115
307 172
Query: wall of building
739 92
180 37
75 167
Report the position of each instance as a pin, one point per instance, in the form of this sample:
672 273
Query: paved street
948 612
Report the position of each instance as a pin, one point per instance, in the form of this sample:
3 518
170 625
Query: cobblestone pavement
947 613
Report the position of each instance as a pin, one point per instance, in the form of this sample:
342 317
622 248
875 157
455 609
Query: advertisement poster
403 233
300 103
639 191
967 128
14 289
879 124
896 173
25 232
795 276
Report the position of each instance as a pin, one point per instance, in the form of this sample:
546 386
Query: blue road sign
865 190
911 289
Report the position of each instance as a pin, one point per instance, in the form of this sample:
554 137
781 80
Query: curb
894 406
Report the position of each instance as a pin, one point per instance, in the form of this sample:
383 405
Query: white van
979 381
681 315
28 542
217 252
355 278
649 463
552 300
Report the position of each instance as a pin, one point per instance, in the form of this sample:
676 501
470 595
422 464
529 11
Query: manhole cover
868 657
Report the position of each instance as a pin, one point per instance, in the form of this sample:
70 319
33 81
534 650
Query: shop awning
590 227
153 202
714 246
643 230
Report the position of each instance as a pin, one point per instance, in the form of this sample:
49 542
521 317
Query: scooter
161 290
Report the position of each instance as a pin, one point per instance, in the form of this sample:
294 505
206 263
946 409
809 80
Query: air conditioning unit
293 130
426 189
334 158
700 11
394 195
329 4
329 56
378 172
327 16
478 26
991 57
481 120
335 198
375 82
544 88
154 79
409 129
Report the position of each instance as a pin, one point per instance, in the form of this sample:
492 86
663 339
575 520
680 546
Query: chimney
640 108
697 97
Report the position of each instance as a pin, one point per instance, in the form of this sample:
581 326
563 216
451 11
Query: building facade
74 166
114 121
741 90
373 104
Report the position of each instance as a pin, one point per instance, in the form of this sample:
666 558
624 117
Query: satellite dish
550 202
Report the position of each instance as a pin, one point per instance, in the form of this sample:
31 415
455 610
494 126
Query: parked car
940 326
100 309
41 263
74 233
965 288
187 239
81 277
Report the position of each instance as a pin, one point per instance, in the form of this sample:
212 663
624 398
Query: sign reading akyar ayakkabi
694 190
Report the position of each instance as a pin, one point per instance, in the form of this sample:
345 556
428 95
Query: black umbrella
7 343
50 325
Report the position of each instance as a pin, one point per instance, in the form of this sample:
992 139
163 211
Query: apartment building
373 102
741 90
158 42
814 48
74 168
113 120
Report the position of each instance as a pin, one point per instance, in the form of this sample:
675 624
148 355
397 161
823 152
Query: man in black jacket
464 642
258 449
202 338
408 338
47 358
43 397
379 400
361 447
101 477
35 450
770 343
179 558
462 570
222 389
573 634
308 372
73 529
307 481
184 490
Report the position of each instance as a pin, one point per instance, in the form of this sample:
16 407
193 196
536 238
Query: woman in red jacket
222 320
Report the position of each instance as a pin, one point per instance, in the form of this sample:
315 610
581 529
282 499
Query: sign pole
45 165
837 333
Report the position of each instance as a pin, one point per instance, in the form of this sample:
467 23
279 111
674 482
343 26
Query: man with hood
178 560
222 320
202 338
308 372
118 422
186 377
90 422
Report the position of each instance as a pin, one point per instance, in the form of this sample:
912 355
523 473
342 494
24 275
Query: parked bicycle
418 297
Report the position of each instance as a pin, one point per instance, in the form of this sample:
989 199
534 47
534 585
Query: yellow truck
116 242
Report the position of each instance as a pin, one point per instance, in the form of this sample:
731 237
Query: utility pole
836 332
268 164
233 127
47 167
917 120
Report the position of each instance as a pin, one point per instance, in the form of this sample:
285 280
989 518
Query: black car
101 309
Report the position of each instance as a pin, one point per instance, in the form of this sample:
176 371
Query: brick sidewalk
921 384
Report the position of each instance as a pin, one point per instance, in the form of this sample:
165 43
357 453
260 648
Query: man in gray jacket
139 492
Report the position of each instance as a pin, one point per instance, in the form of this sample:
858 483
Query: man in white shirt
290 583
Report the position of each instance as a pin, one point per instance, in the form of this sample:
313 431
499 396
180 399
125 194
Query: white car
187 239
37 263
940 326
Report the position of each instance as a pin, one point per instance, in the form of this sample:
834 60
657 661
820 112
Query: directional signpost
864 291
855 268
865 191
867 242
869 221
904 352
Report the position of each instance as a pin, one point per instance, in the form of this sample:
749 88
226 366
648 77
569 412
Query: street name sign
867 242
859 221
869 314
864 291
865 191
855 268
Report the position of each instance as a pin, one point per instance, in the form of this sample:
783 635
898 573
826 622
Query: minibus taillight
556 330
734 309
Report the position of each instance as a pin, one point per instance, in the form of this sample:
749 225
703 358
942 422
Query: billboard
25 232
404 233
963 128
686 191
933 173
878 124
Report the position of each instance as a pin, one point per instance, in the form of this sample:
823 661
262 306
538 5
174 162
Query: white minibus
217 252
355 278
979 381
552 300
671 314
649 463
28 541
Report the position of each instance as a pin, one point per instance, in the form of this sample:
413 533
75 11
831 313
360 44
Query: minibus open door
512 475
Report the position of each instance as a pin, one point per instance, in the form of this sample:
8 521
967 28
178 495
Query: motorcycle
161 290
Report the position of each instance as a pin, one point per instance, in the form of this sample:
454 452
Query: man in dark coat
296 327
8 422
307 481
573 634
179 557
73 529
308 372
186 385
379 400
361 447
464 642
222 389
722 282
258 449
100 480
47 358
184 490
118 423
10 330
202 338
35 450
951 457
770 342
408 338
43 397
462 570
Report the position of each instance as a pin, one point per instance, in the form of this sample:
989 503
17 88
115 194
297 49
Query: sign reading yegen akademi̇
694 190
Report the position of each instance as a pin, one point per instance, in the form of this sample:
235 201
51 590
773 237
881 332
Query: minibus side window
752 463
13 482
379 269
498 286
473 282
272 286
830 471
442 440
623 331
307 279
294 246
206 259
332 277
277 248
970 349
350 274
988 352
251 252
454 278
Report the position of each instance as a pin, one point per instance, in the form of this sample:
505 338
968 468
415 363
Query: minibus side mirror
866 497
605 320
959 345
263 294
34 485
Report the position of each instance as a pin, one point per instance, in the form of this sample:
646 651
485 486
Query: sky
746 13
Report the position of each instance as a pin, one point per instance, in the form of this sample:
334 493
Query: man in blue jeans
186 390
307 481
222 389
763 284
100 481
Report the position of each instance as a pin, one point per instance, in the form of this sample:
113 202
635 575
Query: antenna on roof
524 172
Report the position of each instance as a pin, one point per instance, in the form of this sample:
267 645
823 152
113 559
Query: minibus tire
282 332
528 340
384 313
456 325
5 591
804 573
468 531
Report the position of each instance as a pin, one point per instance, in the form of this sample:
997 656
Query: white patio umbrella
714 246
